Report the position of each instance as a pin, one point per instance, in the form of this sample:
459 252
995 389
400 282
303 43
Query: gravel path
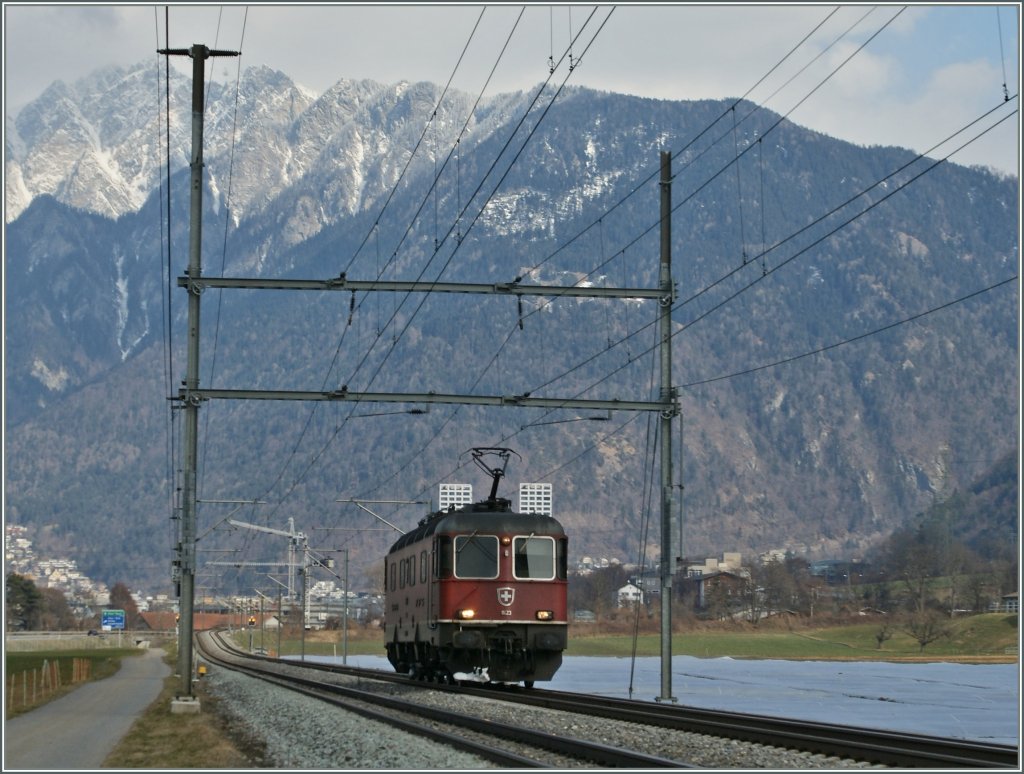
79 730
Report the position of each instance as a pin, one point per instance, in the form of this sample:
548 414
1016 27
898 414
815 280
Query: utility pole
280 615
305 600
186 701
667 400
344 650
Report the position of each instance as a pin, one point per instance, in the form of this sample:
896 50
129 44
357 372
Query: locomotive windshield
476 556
535 557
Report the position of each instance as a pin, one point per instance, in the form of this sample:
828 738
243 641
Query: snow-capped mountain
824 453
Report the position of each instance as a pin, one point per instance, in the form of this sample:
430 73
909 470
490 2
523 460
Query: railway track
869 746
445 726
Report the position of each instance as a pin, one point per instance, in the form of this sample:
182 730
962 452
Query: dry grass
160 740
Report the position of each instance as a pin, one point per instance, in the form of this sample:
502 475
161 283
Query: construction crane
295 541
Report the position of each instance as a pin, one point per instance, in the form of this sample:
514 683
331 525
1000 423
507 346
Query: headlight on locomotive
545 615
466 614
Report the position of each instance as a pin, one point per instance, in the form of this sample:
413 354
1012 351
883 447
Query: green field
989 637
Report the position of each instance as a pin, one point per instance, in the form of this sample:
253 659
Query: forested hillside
844 347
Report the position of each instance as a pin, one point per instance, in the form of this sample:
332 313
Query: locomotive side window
443 557
391 576
534 557
562 560
476 556
423 566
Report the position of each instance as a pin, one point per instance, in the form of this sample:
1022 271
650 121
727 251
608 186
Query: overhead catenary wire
835 210
509 436
166 338
656 171
763 251
375 231
412 154
729 110
1002 55
526 113
735 160
227 227
395 311
764 272
480 210
800 102
852 339
456 410
786 261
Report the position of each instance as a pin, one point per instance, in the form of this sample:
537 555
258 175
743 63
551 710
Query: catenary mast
186 550
668 399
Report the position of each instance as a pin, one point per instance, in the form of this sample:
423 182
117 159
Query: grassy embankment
982 638
206 740
989 638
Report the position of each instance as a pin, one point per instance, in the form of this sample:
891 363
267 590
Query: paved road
78 731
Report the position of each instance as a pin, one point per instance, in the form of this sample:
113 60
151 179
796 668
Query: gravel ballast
302 732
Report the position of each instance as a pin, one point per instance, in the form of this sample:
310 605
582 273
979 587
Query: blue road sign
112 619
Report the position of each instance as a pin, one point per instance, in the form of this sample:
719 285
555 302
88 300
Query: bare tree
753 595
912 558
884 633
926 627
121 599
779 586
717 601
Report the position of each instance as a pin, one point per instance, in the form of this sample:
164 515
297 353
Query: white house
629 594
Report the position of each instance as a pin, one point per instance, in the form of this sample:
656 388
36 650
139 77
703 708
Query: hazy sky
931 71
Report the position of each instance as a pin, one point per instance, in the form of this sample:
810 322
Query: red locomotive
478 592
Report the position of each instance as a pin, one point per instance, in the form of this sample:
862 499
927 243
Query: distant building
731 561
630 594
456 495
773 555
1010 603
535 498
725 586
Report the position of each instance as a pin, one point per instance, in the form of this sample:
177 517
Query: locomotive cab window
476 556
534 557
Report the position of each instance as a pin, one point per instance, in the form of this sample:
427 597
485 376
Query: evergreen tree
24 603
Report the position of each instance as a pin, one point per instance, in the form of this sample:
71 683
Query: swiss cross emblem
506 595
